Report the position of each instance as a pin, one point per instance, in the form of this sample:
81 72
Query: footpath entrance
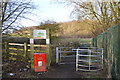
84 58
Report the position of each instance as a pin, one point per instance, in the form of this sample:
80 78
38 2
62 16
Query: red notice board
39 62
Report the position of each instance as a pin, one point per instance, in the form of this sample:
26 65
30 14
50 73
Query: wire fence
110 42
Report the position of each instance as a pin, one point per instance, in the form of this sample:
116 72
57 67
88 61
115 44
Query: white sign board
39 34
47 41
31 41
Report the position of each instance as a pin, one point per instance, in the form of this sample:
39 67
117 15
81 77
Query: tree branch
4 10
15 18
12 13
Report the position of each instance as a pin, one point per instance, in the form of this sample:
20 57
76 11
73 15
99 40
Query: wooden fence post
32 55
32 50
25 51
6 50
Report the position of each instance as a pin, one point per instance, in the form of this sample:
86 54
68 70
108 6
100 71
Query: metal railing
90 59
86 58
65 55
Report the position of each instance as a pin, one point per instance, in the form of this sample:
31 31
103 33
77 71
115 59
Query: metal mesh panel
110 42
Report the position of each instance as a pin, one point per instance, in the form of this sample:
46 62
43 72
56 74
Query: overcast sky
48 10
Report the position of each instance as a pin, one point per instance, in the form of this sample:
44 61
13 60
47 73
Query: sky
48 10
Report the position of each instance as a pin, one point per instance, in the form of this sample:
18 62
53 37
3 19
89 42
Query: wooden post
48 49
32 50
32 55
25 51
6 49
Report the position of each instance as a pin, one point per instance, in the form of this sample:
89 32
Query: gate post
57 55
77 60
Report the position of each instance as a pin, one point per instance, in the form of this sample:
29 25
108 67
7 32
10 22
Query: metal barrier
86 58
89 59
65 55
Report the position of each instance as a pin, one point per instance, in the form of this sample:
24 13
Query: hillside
73 29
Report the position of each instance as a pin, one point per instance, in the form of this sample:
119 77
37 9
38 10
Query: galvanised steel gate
65 55
85 58
89 59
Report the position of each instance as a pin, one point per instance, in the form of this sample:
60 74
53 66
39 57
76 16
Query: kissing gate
85 58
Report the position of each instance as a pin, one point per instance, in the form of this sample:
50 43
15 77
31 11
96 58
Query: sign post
41 34
48 49
32 48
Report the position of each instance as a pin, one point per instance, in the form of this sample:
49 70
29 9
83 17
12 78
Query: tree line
101 14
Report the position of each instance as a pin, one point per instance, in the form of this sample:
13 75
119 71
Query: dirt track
68 71
62 71
55 71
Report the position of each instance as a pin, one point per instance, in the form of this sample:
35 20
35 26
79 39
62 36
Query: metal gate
86 58
65 55
89 59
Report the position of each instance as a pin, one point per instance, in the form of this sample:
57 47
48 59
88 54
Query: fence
65 55
110 42
19 50
11 50
89 59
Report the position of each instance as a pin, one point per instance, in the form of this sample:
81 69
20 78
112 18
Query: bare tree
13 11
105 14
